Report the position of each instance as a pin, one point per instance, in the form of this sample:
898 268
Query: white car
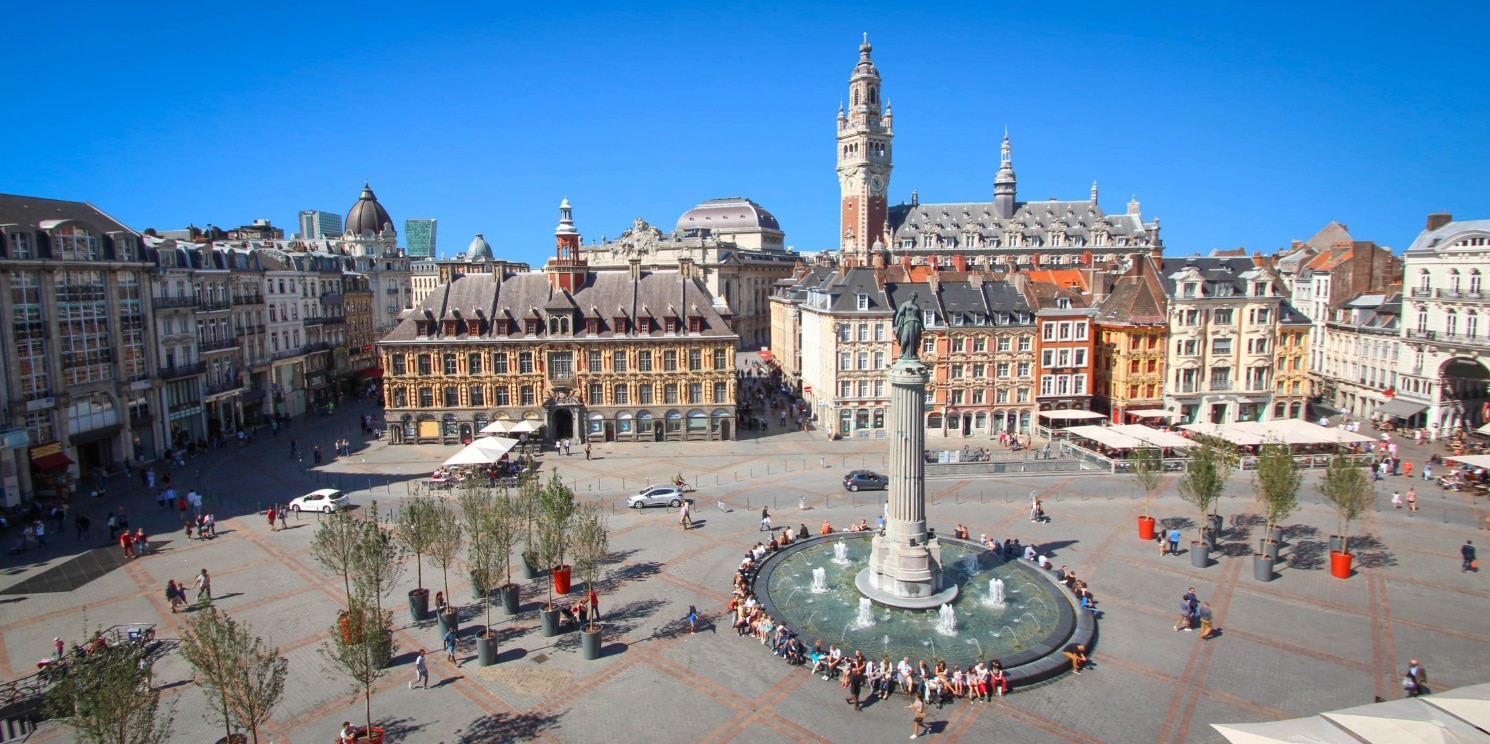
321 500
656 496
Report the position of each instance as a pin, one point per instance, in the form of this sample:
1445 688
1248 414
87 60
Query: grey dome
734 212
479 249
367 215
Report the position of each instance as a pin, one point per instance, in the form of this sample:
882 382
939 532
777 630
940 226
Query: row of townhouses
126 343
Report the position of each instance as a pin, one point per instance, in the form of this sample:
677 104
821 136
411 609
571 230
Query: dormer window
1190 289
670 325
530 327
862 301
592 326
1259 289
695 324
558 325
929 318
1063 303
619 323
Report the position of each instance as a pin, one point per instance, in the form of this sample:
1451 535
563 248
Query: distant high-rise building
419 237
315 224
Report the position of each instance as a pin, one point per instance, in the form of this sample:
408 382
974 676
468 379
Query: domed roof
367 215
732 213
479 249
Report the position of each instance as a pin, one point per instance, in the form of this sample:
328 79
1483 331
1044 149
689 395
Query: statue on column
908 327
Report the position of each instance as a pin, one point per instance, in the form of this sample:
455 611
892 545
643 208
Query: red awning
54 461
374 372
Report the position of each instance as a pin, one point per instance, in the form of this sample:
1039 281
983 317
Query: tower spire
1004 182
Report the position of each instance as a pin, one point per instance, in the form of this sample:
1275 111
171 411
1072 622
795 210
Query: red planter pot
1146 528
1340 564
561 579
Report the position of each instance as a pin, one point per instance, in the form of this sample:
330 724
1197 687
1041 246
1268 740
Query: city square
1301 644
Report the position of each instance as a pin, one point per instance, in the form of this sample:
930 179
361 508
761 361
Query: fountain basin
1038 617
864 581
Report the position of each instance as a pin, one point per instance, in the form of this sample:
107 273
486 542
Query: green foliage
335 546
591 543
1277 481
447 539
477 504
413 531
506 517
377 561
1347 489
243 679
1147 466
1205 476
554 520
105 697
360 647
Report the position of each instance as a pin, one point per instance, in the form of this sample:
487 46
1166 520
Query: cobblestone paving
1301 644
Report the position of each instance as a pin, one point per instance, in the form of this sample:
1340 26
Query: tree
360 646
1348 490
105 697
335 546
1277 481
525 512
412 529
444 547
1204 478
555 513
476 505
1147 465
506 517
377 561
244 680
591 543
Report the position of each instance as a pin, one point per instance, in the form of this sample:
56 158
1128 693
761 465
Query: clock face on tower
877 185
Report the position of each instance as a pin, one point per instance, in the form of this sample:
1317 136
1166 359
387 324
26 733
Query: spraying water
946 621
840 553
866 614
819 581
969 563
995 596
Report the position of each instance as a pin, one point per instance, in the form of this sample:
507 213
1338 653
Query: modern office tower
419 238
315 224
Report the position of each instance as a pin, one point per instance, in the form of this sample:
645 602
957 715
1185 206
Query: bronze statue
908 327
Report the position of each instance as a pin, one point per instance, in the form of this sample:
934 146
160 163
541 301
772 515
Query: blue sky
1238 126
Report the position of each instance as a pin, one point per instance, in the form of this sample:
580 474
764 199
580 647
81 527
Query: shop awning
1105 435
373 372
1071 415
42 459
1399 408
1154 413
254 395
1474 461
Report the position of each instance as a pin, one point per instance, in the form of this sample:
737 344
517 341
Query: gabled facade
1131 342
1362 349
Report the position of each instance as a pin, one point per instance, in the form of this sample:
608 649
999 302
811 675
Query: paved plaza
1301 644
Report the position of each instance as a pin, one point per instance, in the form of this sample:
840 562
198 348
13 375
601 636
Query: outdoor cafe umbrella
1408 721
473 455
504 426
1470 703
494 446
1311 730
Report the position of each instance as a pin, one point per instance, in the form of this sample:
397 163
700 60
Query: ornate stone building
737 250
630 355
1362 348
1132 338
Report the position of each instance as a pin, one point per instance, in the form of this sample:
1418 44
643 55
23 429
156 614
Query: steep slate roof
1220 277
605 295
1135 299
32 211
1035 220
1446 236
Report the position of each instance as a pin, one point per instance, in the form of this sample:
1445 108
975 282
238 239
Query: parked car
656 496
321 500
865 480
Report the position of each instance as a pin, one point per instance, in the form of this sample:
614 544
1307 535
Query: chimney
1034 260
685 268
879 260
1439 219
959 262
635 266
934 278
905 263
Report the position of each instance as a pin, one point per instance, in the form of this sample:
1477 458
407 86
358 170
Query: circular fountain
904 592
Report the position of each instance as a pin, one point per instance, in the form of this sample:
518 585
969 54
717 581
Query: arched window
1474 281
1451 323
72 243
1472 324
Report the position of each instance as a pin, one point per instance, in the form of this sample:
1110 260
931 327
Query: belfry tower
864 135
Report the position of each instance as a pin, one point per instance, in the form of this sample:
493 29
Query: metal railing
253 299
175 372
176 301
212 306
218 345
1455 294
1422 292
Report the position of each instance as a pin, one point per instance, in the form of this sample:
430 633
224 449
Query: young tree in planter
1204 478
476 504
525 514
591 543
1347 489
444 547
411 527
105 697
1277 480
335 546
555 517
377 561
504 522
360 647
1147 465
243 680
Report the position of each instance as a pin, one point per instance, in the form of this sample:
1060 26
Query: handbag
1474 565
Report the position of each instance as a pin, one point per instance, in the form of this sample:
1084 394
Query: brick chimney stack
1439 219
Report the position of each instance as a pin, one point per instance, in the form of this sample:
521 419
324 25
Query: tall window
473 364
669 361
695 392
400 398
592 361
695 360
72 243
670 393
449 364
83 325
426 397
478 396
504 396
721 359
620 396
31 342
1451 323
499 362
644 394
452 396
422 363
527 395
644 361
721 392
596 394
525 365
618 361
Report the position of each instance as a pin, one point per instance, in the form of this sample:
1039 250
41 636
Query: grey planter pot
1262 567
1270 549
1276 534
1214 522
589 643
1337 543
486 648
1200 554
476 581
549 621
510 596
449 621
525 569
419 604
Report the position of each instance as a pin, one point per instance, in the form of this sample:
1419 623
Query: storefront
50 471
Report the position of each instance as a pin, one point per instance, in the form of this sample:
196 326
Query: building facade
1362 349
1131 341
590 355
419 238
316 225
1442 375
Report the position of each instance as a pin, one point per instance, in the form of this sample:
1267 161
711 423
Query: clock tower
864 136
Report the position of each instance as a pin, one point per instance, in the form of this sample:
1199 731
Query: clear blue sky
1240 125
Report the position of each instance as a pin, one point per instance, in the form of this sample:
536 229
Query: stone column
907 488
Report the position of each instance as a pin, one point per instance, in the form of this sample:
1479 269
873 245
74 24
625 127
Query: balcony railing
324 320
287 354
1454 294
178 371
250 328
178 301
253 299
555 375
1218 386
331 298
223 387
1422 292
212 306
218 345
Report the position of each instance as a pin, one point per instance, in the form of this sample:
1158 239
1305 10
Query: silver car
656 496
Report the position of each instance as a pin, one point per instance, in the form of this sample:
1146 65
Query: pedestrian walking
683 517
587 450
1396 500
1428 471
1407 469
1466 551
284 517
421 672
58 647
142 543
271 514
113 523
1412 502
41 533
918 715
692 619
1206 620
765 520
1419 677
450 647
1174 541
173 595
203 585
316 454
